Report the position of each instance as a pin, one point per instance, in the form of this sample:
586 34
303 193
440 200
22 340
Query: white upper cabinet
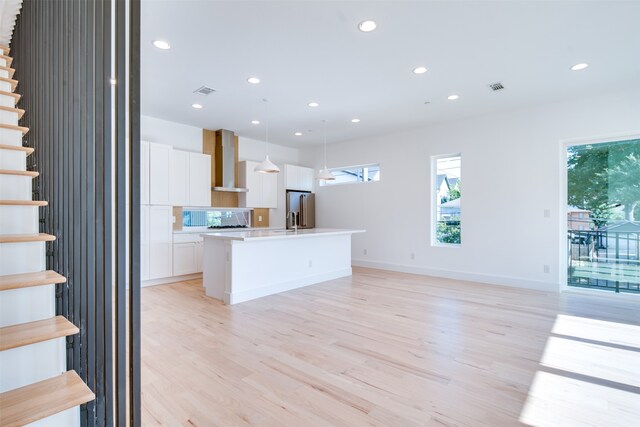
159 167
179 178
263 187
199 177
174 177
298 178
144 173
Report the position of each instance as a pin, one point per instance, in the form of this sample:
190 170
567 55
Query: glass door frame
563 204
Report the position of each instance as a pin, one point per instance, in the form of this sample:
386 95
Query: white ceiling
312 51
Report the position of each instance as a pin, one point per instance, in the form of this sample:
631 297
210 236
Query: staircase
35 386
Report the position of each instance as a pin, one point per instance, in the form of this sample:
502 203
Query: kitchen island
244 265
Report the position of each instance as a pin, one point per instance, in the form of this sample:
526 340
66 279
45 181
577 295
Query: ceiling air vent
496 86
204 90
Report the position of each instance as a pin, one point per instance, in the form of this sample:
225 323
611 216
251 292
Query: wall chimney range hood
226 162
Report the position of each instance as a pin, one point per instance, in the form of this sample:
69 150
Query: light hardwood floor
390 349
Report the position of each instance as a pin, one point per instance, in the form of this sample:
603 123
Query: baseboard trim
237 297
513 282
167 280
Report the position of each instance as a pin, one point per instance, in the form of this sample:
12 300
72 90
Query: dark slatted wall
62 52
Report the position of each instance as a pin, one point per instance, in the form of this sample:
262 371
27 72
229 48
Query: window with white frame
447 197
354 174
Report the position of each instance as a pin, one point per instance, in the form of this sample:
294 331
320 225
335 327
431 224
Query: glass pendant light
325 174
267 166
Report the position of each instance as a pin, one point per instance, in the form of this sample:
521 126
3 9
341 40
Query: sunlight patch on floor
589 376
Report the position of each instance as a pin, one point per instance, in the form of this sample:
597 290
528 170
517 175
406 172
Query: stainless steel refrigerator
303 204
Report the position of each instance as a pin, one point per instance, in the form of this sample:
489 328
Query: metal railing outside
603 259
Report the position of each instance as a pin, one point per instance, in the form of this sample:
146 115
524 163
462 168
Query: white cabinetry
298 178
160 241
144 242
199 179
187 254
190 183
159 167
144 173
263 187
179 178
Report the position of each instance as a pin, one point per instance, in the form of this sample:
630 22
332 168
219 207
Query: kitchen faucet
295 223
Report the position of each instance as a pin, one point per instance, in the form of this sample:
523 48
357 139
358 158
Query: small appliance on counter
303 206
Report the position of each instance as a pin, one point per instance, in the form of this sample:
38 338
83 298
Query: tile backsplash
215 217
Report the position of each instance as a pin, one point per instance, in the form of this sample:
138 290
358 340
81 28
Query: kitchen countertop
201 230
265 234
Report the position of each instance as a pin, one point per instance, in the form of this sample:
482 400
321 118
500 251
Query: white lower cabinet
187 254
144 242
184 258
199 255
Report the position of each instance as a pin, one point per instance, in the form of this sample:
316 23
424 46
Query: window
446 227
364 173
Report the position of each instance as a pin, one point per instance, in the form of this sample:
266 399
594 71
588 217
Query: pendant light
267 166
325 174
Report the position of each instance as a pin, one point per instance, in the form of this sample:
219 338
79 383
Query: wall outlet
364 251
259 218
310 263
547 213
546 269
413 256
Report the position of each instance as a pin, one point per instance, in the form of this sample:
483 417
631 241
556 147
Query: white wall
253 149
182 137
510 173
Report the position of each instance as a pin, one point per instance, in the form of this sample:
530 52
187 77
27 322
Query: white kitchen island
244 265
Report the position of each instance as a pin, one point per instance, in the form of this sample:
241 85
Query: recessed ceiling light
452 97
298 134
355 120
367 26
255 122
196 106
579 67
253 80
161 44
419 70
313 104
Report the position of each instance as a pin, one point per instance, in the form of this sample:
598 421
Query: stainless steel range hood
225 163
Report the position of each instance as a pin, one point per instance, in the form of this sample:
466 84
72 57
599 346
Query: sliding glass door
603 216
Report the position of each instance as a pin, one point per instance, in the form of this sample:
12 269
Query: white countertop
200 230
264 234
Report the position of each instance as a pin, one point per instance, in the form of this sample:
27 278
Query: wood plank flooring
390 349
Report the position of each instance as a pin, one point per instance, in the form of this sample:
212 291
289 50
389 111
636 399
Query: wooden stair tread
14 83
27 280
23 238
17 96
5 49
10 70
20 111
23 203
14 127
32 174
8 59
34 332
27 150
33 402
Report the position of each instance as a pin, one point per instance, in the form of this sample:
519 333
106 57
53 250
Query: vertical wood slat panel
63 62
